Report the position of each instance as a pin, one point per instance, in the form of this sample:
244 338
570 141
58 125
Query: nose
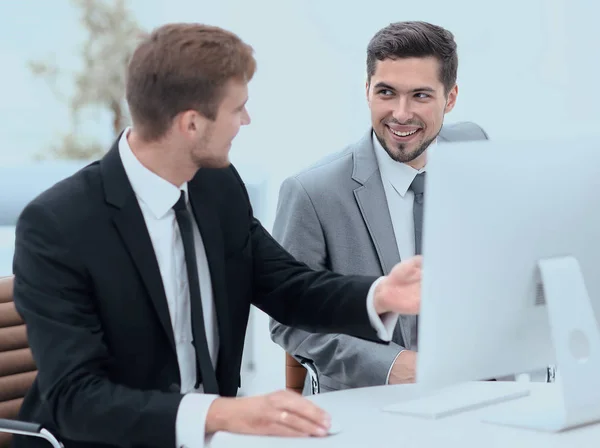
402 113
246 118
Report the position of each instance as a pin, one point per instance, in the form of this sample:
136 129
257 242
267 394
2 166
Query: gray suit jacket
334 215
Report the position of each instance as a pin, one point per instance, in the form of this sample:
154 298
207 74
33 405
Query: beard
208 161
400 154
216 163
205 155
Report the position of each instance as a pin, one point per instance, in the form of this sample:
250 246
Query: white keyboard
459 398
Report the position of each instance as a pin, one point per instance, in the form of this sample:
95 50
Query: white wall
528 69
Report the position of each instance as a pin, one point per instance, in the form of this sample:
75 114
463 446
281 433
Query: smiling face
408 103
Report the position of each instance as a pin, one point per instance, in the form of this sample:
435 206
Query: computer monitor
511 259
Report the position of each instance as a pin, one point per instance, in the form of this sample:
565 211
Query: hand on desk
404 368
281 413
400 290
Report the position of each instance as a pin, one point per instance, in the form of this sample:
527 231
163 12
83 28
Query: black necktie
204 368
418 188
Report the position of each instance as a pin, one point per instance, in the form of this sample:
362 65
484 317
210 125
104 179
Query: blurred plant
112 35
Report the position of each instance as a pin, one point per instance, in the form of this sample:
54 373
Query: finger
409 269
279 430
298 405
417 267
413 275
298 423
416 261
408 274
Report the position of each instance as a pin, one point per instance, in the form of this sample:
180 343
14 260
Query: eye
422 95
385 92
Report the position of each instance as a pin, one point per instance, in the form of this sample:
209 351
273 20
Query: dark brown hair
181 67
415 39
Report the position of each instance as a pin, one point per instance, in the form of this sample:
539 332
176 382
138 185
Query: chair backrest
295 374
17 369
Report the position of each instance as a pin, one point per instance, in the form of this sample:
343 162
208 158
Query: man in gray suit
360 210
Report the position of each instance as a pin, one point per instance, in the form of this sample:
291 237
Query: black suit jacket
88 286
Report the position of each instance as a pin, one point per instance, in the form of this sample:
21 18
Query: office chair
17 371
295 375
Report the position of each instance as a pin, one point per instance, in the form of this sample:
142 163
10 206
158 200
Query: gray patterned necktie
418 188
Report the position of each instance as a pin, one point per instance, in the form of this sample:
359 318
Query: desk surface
363 423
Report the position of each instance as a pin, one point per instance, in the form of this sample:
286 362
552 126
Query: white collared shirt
396 178
156 198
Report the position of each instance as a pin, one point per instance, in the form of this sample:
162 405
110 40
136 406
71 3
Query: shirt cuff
191 420
384 324
387 379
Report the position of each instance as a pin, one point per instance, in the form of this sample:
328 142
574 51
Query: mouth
404 135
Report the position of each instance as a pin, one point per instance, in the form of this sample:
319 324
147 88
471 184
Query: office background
528 70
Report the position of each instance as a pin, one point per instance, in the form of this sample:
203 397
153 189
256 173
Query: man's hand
400 290
281 413
404 368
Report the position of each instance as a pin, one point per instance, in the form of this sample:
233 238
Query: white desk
364 424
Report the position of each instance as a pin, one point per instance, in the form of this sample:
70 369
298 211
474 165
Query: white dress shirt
156 198
396 178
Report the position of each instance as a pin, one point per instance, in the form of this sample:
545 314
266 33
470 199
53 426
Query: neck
163 158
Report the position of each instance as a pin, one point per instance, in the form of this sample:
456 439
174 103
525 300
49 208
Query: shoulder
326 173
72 196
463 131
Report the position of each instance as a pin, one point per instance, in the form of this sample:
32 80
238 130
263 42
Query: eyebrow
241 106
383 85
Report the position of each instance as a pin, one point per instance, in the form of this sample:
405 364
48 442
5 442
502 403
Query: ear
451 101
190 123
367 87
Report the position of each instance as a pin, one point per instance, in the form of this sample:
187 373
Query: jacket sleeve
339 359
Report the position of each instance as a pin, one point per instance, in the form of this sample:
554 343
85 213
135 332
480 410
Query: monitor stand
576 340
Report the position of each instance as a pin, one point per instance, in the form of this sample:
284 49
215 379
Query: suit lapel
130 224
210 228
373 208
372 203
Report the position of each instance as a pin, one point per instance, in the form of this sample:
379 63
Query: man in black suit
135 276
